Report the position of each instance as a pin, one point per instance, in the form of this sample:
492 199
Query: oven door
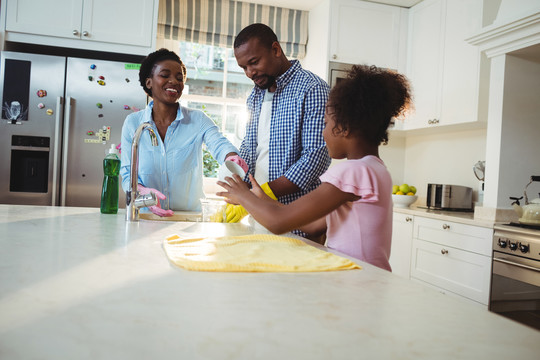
515 289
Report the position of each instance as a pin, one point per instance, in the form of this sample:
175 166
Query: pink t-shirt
362 228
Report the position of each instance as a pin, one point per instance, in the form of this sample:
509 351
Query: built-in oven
515 280
337 71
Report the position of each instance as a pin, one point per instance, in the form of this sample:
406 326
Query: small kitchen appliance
449 197
529 213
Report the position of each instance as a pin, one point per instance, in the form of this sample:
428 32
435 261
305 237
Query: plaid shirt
297 148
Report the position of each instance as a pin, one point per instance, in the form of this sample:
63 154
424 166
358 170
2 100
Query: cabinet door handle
430 121
75 32
408 219
334 56
85 33
446 226
444 251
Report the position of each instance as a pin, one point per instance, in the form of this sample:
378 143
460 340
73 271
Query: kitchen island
77 284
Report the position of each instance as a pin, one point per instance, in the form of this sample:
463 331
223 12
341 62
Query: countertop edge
466 218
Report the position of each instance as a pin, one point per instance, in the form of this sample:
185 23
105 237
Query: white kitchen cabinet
366 33
400 255
444 69
127 26
452 257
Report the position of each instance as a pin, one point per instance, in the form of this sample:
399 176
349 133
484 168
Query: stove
515 278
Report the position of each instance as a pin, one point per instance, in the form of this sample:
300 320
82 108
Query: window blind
217 22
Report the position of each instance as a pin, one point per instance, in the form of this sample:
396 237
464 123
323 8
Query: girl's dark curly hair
366 102
149 63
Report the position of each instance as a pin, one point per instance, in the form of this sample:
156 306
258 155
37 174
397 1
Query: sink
193 216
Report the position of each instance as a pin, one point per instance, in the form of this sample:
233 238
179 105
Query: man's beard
270 80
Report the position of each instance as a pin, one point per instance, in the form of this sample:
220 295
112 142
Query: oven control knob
502 242
513 245
524 248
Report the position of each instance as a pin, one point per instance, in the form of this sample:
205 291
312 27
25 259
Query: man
283 146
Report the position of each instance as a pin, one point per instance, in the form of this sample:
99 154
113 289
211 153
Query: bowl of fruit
403 195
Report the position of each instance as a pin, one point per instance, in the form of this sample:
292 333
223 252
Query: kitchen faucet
134 201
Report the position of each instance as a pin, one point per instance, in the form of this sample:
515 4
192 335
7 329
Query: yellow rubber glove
266 188
235 213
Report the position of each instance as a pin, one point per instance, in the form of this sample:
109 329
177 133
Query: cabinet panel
445 71
52 17
460 83
471 238
122 26
365 33
461 272
119 21
424 60
400 255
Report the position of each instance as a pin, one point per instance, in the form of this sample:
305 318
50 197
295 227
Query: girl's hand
236 189
256 188
258 191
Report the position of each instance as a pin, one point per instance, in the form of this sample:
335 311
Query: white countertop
76 284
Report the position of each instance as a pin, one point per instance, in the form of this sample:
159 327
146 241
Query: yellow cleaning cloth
252 253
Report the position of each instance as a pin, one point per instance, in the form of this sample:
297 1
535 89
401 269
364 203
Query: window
218 86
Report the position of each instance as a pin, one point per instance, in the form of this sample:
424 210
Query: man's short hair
262 32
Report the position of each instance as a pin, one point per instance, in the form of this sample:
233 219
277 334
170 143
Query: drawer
471 238
461 272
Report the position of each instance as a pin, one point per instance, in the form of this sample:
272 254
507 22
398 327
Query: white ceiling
309 4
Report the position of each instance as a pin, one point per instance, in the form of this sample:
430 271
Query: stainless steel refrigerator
59 117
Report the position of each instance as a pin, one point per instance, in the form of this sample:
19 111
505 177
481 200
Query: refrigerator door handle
65 151
56 154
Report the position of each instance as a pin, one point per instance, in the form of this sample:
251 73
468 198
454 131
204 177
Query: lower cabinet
453 257
400 255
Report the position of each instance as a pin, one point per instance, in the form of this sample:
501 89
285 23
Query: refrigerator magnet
99 105
41 105
41 93
101 82
50 111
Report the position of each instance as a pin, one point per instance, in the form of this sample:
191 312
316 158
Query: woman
173 169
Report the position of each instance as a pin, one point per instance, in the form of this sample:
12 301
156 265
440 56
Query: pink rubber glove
237 159
156 209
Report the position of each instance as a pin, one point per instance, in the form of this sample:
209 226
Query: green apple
412 189
404 188
395 189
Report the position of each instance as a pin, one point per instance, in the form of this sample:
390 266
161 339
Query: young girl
354 203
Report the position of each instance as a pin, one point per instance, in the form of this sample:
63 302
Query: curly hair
367 100
264 33
149 63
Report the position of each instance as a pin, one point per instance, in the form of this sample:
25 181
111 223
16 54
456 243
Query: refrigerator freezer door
31 91
102 94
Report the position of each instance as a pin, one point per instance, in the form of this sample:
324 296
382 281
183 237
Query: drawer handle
446 226
444 251
75 33
408 219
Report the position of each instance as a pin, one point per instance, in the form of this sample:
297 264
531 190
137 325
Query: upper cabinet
447 74
367 33
123 26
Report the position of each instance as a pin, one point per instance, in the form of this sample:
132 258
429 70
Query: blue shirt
175 166
297 149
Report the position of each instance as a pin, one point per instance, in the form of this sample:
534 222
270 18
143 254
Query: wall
316 59
520 141
444 157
